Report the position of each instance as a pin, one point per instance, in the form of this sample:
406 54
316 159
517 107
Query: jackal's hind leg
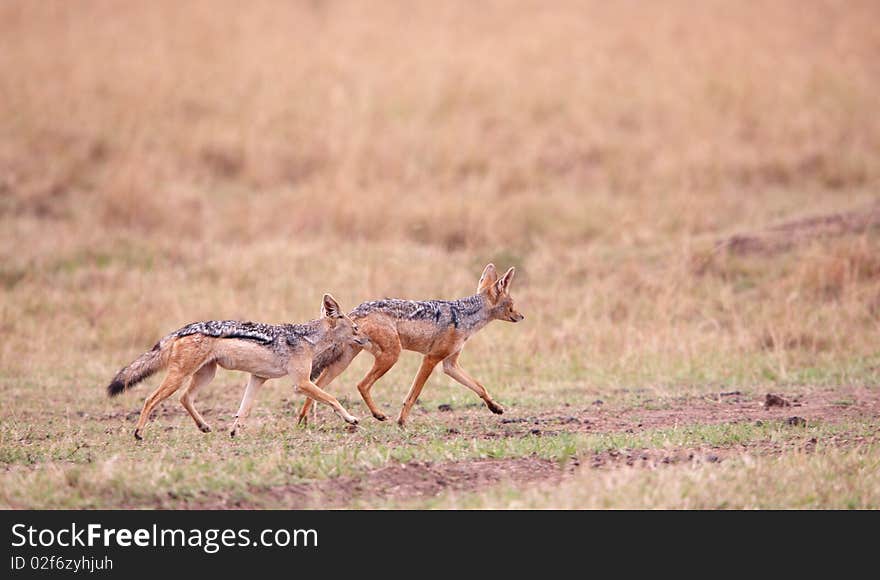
386 349
454 370
202 377
428 364
308 407
172 382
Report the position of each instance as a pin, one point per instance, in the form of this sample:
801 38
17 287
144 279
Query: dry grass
830 479
161 163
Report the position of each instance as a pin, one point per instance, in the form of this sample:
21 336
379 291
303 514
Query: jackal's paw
351 420
205 428
495 407
137 435
380 417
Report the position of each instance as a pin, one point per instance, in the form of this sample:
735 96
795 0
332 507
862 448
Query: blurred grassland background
163 162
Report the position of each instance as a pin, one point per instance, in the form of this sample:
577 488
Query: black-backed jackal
436 328
266 351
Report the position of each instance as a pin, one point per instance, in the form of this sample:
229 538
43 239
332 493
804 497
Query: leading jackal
267 351
436 328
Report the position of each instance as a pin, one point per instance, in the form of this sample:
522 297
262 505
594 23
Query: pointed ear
330 307
503 285
489 277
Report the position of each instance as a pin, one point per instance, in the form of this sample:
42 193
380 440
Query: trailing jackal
436 328
267 351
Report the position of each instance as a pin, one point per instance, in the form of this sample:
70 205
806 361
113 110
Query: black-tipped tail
143 367
115 388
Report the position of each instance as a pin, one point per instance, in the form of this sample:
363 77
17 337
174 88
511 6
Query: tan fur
193 359
388 336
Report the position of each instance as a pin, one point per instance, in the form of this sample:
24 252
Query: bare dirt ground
724 407
419 480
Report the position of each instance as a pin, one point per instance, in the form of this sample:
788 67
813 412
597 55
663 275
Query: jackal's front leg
428 364
317 393
454 370
328 375
247 402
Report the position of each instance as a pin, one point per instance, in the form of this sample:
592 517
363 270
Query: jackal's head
341 329
497 292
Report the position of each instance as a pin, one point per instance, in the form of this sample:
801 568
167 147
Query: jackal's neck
322 338
311 333
472 312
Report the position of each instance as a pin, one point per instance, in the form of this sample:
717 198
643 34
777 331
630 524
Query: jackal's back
462 313
257 331
263 333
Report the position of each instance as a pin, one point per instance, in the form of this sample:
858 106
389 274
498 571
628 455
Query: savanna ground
689 191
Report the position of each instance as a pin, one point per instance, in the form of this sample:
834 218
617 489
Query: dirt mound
772 400
793 233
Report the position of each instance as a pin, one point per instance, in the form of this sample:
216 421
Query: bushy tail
143 367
